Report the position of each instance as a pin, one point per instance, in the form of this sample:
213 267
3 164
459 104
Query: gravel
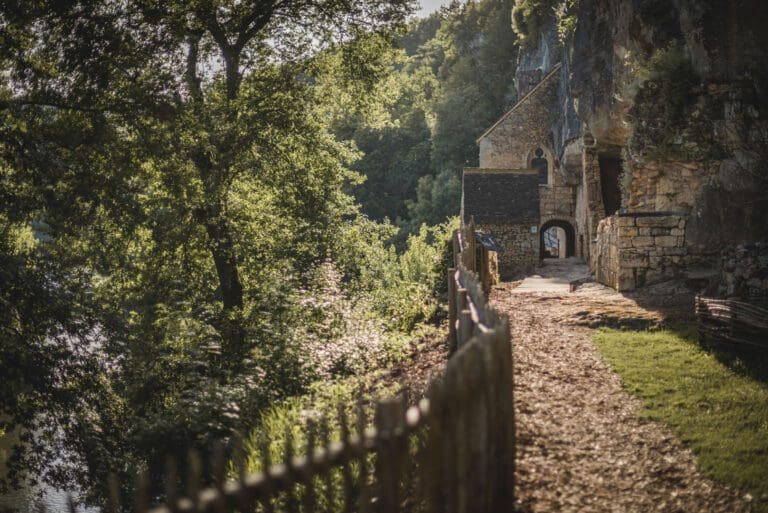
582 446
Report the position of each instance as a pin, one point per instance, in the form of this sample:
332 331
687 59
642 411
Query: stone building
641 195
522 182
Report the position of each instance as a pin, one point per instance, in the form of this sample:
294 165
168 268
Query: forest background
185 249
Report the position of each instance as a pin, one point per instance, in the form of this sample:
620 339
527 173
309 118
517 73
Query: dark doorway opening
610 171
559 234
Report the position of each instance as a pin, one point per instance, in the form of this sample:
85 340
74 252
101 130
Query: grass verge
720 411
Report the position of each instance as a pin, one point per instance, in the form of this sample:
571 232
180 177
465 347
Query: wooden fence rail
733 321
452 452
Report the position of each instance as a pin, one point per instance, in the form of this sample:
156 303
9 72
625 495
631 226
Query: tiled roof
500 195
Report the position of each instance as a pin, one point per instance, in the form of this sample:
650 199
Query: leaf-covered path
582 446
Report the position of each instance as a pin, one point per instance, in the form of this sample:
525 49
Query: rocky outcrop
614 40
744 271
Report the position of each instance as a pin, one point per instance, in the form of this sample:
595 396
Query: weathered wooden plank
452 342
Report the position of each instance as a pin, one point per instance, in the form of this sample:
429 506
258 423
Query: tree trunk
225 259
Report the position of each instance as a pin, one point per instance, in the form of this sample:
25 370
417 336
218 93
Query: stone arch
570 236
536 158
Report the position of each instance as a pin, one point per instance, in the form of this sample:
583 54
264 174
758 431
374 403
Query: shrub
530 16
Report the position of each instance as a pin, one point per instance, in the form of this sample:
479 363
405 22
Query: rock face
744 272
674 90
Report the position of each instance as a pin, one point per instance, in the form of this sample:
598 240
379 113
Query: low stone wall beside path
637 249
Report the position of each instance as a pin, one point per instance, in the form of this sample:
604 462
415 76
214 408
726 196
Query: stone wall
521 247
557 202
668 186
605 254
744 271
633 250
589 207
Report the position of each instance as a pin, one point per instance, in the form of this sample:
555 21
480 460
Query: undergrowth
717 408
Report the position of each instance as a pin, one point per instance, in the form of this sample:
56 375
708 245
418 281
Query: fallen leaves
581 445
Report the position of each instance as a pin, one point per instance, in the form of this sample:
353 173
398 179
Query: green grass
719 410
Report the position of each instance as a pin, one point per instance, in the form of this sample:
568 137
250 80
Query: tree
175 153
478 52
176 76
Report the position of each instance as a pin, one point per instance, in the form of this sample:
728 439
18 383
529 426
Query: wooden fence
452 452
465 247
732 321
475 257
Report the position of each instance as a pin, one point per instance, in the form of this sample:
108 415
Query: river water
29 498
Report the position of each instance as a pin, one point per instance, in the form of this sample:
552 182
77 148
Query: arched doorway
557 239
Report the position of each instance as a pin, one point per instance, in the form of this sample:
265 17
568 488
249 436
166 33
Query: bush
530 16
402 288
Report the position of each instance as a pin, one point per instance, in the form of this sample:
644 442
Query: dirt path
581 445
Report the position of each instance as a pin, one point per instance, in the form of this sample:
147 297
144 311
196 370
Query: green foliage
179 249
453 79
293 415
566 19
721 414
402 288
178 207
530 16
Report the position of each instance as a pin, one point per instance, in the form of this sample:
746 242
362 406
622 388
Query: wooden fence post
265 444
461 305
466 327
452 342
503 349
433 465
346 471
472 245
364 487
389 455
310 498
450 420
455 248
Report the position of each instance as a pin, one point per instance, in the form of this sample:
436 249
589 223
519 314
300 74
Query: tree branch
21 102
255 22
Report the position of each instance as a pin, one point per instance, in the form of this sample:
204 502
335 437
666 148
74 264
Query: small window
541 164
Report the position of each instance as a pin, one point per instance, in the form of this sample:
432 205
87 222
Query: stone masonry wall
527 126
744 271
521 247
634 250
590 206
557 202
605 258
667 186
